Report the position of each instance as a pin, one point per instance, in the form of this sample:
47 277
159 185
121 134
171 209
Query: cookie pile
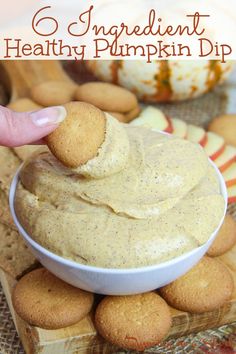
24 105
198 290
118 101
134 322
46 301
53 93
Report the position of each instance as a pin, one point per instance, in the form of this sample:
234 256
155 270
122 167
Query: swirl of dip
112 155
162 201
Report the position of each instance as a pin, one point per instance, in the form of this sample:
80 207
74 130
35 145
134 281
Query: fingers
24 128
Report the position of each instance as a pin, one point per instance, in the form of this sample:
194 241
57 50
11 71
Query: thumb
24 128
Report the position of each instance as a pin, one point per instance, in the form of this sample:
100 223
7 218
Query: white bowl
115 281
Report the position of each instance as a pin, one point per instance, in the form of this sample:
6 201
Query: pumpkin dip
146 198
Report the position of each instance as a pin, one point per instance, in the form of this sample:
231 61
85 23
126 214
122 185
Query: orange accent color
163 86
232 200
169 129
231 182
227 164
203 141
217 153
214 75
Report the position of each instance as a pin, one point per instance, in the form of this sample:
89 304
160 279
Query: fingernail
48 116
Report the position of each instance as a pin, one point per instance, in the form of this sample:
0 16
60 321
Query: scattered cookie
229 258
225 126
15 256
53 93
225 238
133 322
107 97
232 271
24 105
119 116
234 279
206 287
79 136
126 117
132 114
43 300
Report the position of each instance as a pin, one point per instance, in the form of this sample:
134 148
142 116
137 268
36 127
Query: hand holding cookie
24 123
79 137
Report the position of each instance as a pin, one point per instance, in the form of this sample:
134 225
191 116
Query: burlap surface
220 341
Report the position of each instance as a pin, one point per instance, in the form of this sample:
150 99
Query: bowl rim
120 271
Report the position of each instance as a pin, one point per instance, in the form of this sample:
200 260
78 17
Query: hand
26 128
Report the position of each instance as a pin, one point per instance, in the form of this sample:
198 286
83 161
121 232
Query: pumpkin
163 81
